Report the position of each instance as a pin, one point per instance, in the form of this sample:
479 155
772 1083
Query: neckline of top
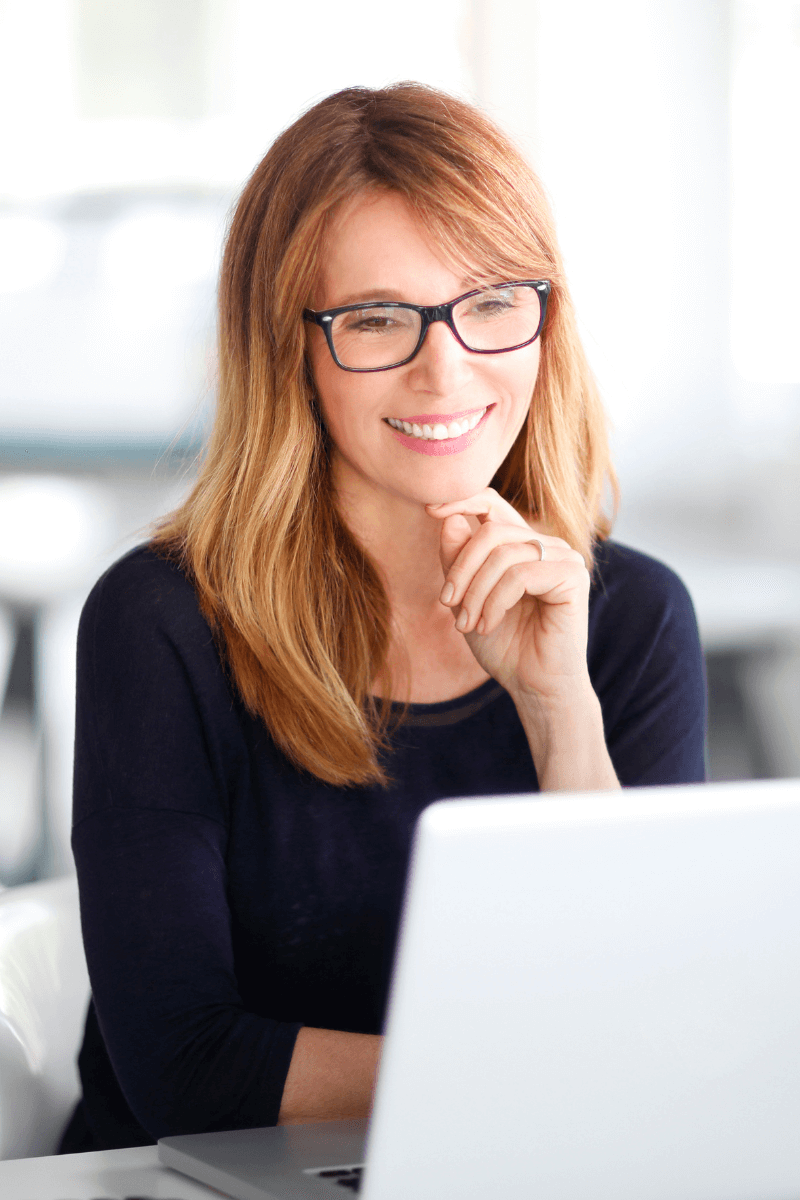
447 712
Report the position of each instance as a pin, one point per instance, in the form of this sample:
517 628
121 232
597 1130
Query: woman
392 583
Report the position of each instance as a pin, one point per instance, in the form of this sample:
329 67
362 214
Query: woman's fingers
484 545
488 572
524 615
486 505
454 536
512 571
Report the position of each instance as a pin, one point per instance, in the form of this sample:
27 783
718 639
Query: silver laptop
595 997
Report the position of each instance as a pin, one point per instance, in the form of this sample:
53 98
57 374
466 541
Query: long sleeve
647 668
158 758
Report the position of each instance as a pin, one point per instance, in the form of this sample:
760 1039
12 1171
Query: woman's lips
446 446
441 418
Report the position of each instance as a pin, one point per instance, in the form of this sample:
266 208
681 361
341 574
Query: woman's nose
442 364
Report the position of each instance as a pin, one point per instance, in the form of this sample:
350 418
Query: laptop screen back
597 997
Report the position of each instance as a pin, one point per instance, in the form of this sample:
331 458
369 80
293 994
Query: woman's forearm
331 1076
567 742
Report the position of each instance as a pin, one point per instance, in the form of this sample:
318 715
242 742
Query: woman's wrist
566 739
331 1076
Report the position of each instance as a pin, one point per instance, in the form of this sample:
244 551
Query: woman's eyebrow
368 297
385 294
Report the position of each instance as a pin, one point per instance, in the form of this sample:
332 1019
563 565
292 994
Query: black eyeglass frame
428 314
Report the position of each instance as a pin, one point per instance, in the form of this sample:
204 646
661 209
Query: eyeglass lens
499 318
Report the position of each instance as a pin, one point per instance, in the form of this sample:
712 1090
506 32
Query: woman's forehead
376 243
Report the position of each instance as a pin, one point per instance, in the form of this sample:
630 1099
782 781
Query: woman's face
376 250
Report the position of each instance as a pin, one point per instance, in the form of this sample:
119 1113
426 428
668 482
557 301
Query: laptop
595 997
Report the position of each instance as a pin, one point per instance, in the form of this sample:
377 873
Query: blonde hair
299 610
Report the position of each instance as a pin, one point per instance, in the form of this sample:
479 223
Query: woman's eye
492 304
371 323
374 321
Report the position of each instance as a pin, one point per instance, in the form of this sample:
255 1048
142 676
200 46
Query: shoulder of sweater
144 584
629 578
617 565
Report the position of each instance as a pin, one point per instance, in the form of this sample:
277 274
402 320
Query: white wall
667 134
627 123
114 189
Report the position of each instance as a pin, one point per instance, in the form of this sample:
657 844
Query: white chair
44 992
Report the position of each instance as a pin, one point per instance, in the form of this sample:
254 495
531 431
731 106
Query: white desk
115 1174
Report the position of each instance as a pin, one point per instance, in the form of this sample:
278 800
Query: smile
438 438
437 431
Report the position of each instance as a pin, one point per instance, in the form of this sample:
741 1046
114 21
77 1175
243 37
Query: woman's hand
524 619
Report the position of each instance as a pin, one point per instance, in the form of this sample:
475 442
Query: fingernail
463 619
448 591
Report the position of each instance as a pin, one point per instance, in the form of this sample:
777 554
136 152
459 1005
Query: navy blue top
228 898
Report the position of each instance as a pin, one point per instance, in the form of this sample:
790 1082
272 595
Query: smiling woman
273 688
395 197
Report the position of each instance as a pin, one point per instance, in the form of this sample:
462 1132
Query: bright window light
31 252
93 87
157 248
765 116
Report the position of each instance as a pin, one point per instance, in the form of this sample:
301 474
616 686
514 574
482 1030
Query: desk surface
115 1174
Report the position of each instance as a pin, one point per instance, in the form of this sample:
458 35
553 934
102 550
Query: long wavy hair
297 606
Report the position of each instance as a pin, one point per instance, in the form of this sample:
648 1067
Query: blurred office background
667 134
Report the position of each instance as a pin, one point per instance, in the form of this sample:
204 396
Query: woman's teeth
438 433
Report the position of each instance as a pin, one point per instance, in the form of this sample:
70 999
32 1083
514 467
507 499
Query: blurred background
667 134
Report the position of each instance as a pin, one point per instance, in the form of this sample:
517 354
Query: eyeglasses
381 335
